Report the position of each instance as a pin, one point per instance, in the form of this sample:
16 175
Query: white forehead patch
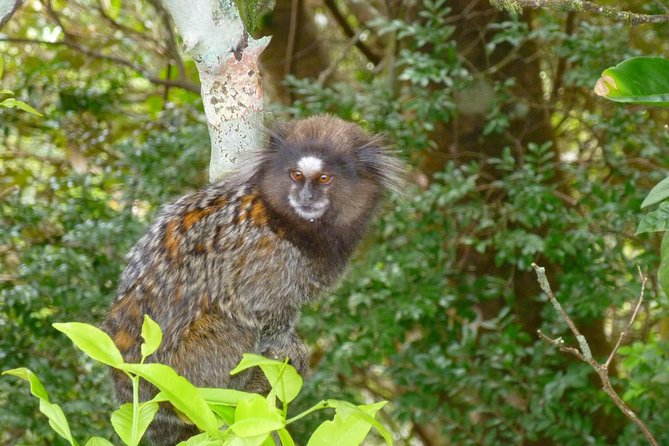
310 165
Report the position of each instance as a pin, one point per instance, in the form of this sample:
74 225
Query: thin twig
184 84
623 333
585 355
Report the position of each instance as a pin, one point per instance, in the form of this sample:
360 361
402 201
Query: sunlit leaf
53 412
121 420
639 80
255 417
98 441
350 426
286 382
180 392
91 340
15 103
152 335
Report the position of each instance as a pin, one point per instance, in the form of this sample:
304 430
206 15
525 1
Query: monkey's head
328 171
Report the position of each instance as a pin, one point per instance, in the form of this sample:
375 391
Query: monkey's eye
325 178
296 175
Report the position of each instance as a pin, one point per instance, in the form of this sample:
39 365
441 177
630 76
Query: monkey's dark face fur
326 172
225 270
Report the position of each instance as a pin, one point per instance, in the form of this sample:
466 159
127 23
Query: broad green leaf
655 220
200 440
350 425
152 335
251 360
255 417
15 103
286 439
226 413
94 342
6 92
663 270
639 80
227 397
658 193
235 440
36 386
98 441
285 381
181 393
121 420
53 412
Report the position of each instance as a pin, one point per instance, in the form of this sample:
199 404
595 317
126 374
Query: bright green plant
250 419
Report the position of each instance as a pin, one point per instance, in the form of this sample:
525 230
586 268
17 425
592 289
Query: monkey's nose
306 194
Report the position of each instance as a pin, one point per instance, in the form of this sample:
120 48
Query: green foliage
430 314
255 417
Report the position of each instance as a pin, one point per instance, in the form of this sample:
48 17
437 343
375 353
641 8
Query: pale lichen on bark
227 60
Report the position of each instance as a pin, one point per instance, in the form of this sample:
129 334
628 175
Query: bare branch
348 30
601 369
7 10
623 333
631 18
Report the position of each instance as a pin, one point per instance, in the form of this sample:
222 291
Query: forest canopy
514 160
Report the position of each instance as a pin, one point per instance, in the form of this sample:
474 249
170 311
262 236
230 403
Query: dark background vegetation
515 161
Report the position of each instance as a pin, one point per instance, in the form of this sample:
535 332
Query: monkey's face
310 184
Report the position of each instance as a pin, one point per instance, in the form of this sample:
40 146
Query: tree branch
350 32
585 355
631 18
180 83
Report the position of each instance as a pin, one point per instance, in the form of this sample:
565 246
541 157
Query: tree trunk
227 60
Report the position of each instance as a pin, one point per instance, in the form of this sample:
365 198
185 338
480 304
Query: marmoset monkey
225 270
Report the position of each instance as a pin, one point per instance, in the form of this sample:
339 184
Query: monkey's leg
211 347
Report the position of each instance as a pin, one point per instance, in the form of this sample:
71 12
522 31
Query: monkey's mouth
309 211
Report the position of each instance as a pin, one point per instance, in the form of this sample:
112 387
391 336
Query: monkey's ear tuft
277 136
383 164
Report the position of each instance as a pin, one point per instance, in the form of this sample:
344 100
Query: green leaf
226 413
121 420
663 270
286 439
350 425
181 393
657 194
94 342
15 103
6 92
639 80
200 440
98 441
255 417
227 397
285 381
152 335
656 220
53 412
